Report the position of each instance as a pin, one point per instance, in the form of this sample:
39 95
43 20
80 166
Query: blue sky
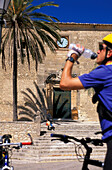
80 11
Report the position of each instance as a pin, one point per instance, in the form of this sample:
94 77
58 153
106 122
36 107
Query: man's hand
77 48
76 51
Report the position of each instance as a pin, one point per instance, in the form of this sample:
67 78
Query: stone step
56 146
46 150
53 157
37 154
74 127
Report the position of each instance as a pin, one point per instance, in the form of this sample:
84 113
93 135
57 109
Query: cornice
84 26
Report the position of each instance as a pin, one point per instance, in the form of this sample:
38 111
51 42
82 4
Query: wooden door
61 104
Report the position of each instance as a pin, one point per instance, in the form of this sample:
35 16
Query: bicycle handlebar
84 142
9 144
16 145
26 143
64 138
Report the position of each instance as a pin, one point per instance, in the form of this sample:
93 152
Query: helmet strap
106 59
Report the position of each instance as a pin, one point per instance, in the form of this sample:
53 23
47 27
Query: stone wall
20 129
89 35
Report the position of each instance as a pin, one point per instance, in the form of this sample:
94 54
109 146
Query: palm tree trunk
0 31
15 117
1 23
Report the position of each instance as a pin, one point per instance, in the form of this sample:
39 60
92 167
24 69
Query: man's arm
67 82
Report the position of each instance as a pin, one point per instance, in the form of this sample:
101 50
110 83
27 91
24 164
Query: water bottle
87 52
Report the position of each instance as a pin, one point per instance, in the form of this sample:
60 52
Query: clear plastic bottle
87 52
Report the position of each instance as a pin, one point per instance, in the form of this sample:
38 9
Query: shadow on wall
34 105
37 105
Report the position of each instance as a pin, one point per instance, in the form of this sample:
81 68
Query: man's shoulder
102 71
101 68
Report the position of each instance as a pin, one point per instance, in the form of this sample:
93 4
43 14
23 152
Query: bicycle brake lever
99 132
98 142
57 139
54 139
16 147
63 140
30 137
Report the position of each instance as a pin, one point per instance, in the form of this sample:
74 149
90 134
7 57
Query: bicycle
84 142
6 147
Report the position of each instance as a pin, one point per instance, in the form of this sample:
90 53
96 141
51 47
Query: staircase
45 150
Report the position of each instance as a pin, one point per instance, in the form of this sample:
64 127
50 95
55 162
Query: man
101 80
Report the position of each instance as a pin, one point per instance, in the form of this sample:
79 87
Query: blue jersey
101 80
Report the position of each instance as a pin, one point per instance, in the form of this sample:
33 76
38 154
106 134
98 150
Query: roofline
74 23
84 26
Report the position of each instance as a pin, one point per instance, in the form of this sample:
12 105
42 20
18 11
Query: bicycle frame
87 161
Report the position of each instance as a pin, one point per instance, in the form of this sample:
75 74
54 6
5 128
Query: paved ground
66 165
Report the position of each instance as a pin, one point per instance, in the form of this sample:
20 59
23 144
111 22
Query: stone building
61 104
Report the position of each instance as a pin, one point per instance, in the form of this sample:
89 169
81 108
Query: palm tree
26 24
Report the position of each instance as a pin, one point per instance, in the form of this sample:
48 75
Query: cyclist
101 80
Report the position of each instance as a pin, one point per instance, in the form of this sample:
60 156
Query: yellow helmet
108 40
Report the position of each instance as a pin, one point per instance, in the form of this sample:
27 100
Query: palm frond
33 8
34 28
